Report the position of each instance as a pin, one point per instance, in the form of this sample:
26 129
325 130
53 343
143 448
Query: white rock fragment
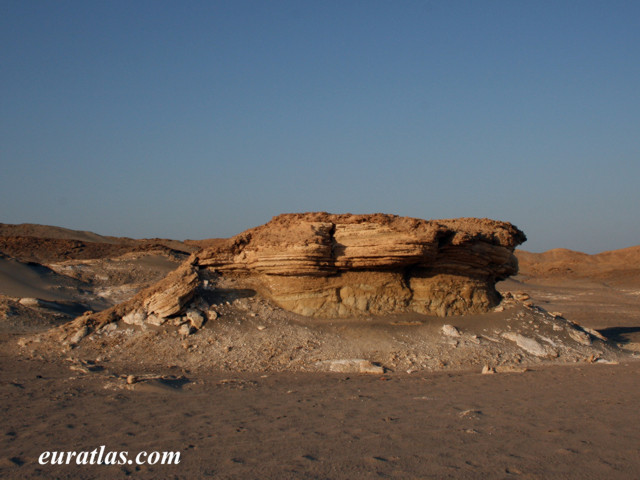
450 331
530 345
30 302
134 318
487 370
606 362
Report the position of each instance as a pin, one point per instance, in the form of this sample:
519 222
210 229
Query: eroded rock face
323 265
318 264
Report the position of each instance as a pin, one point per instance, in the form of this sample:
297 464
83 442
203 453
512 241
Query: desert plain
537 382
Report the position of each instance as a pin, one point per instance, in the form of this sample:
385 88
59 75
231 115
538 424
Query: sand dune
19 279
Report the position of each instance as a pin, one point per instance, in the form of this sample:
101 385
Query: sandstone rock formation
318 264
324 265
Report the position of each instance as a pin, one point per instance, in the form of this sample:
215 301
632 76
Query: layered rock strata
323 265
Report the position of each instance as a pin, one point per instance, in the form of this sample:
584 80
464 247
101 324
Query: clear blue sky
201 119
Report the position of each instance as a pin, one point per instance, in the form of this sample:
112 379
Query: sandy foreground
574 416
548 422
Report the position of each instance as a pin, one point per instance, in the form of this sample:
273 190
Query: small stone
131 379
556 314
196 319
353 365
212 314
185 329
30 302
499 308
261 327
472 414
156 320
474 339
528 304
521 296
450 331
487 370
79 335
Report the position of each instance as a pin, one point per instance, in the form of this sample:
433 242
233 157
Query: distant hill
616 266
47 231
44 243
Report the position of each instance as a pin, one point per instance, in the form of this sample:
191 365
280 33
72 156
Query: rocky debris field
228 328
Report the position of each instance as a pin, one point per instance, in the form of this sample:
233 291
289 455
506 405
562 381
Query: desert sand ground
570 417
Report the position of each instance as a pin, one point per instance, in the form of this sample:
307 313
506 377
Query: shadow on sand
621 334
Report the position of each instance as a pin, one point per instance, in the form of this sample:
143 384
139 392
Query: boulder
323 265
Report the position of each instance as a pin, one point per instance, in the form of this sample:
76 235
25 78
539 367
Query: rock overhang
324 265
